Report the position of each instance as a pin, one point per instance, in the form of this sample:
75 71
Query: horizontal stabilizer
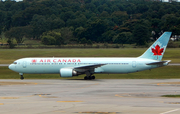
159 62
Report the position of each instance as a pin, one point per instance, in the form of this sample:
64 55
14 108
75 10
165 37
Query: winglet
157 49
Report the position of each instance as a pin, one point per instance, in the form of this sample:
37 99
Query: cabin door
24 64
134 64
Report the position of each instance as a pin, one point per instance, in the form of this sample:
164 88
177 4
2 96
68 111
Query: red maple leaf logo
157 50
34 61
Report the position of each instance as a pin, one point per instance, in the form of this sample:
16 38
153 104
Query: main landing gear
89 77
22 77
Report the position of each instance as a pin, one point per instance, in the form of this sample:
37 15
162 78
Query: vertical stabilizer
157 49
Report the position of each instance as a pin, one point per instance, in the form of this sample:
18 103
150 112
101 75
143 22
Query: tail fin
157 49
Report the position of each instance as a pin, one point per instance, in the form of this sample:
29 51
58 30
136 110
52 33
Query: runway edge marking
170 111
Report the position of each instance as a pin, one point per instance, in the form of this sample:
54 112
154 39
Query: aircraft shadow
83 79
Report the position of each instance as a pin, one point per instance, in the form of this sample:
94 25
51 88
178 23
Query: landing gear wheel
21 77
89 77
93 77
85 78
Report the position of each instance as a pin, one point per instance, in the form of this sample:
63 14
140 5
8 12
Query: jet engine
68 72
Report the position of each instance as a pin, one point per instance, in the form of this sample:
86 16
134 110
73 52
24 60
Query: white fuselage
53 65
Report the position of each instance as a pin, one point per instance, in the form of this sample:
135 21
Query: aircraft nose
11 66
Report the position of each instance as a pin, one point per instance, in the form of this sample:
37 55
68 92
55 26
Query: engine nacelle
68 72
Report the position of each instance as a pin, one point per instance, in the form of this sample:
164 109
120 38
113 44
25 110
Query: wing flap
85 68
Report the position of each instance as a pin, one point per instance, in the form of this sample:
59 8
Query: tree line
59 22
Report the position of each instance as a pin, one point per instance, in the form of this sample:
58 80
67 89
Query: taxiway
108 96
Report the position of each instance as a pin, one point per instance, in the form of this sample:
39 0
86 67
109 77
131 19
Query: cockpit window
15 63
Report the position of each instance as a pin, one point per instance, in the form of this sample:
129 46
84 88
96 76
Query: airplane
74 66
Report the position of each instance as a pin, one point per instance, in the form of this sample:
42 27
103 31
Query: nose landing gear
22 77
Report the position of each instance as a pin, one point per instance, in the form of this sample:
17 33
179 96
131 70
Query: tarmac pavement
104 96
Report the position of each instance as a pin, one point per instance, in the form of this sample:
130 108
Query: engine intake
68 72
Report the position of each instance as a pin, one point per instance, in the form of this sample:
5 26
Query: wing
85 68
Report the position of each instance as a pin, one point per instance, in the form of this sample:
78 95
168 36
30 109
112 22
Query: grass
7 56
172 96
168 72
